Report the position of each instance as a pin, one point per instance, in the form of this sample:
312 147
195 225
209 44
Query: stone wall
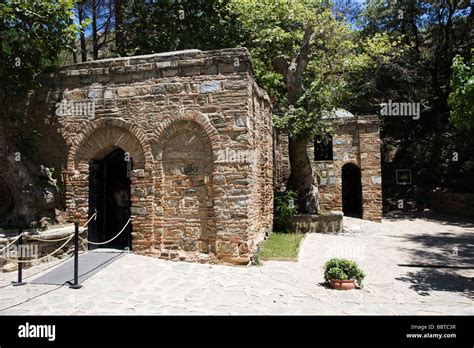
452 203
356 141
328 223
199 132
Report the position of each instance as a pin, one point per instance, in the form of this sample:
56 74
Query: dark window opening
323 148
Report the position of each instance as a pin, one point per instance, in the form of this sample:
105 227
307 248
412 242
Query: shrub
342 269
285 206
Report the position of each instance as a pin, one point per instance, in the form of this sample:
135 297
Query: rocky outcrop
28 191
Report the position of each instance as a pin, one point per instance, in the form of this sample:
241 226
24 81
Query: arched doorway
351 190
109 196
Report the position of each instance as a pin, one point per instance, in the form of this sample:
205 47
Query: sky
360 2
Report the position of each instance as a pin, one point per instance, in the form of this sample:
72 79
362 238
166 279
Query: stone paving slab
143 285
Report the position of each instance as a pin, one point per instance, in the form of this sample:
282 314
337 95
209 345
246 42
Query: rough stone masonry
356 142
199 132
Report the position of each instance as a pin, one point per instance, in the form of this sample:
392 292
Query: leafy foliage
285 206
164 26
34 32
431 34
276 29
461 98
342 269
338 57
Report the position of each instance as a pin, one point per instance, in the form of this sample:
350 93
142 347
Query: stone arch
103 135
179 126
196 117
185 166
104 140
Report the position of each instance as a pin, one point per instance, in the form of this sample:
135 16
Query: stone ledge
307 223
178 59
43 248
51 233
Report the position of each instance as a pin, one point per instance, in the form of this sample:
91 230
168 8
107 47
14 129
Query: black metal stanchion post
76 284
20 281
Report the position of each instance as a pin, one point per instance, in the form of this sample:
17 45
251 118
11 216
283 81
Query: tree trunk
74 46
95 45
301 178
74 53
80 13
118 26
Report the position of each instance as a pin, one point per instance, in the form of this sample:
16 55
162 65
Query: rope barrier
41 258
68 238
102 243
92 217
49 240
6 246
53 240
46 240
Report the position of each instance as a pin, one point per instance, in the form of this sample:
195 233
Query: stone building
347 167
180 143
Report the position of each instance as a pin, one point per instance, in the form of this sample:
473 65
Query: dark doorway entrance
351 191
109 195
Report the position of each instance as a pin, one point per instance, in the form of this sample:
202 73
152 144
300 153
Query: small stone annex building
348 167
181 143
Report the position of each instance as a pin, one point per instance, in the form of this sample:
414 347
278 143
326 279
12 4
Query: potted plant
343 274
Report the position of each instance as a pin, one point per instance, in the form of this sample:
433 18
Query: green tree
461 98
304 57
433 33
167 25
292 43
33 34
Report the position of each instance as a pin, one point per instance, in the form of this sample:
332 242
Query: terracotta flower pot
342 284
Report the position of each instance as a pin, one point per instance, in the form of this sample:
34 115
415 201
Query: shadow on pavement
426 280
440 252
443 249
431 216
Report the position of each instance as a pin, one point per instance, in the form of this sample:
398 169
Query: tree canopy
33 34
312 56
164 26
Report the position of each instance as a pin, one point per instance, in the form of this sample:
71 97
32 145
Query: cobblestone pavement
142 285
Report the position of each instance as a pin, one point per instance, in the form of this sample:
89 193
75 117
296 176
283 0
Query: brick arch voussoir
205 128
127 127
